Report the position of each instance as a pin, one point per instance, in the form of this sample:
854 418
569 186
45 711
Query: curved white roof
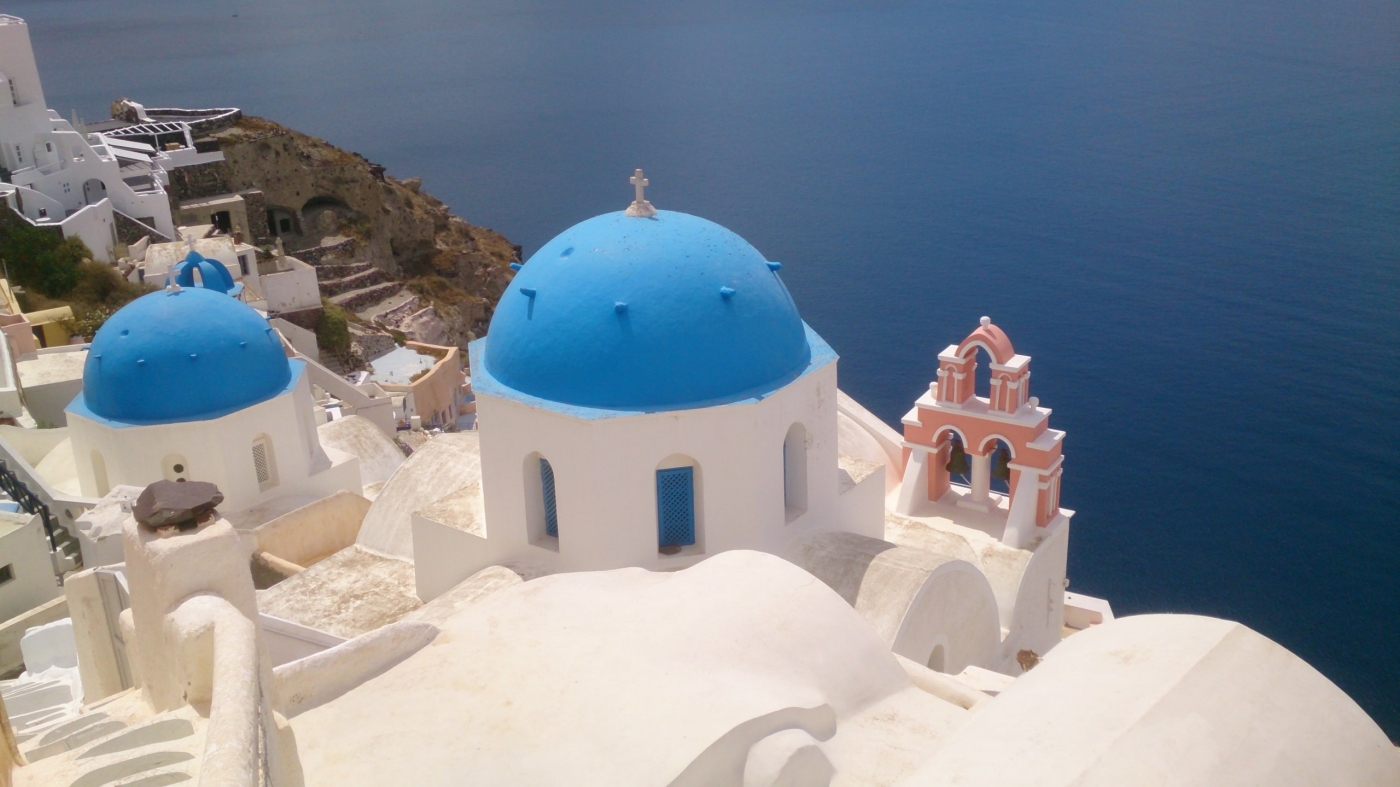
1167 700
628 677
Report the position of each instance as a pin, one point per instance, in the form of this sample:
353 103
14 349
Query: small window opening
264 463
541 504
795 472
175 468
551 510
7 573
99 474
675 508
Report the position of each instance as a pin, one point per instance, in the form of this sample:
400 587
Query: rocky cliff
436 277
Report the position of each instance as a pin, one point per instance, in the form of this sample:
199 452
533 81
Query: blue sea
1187 212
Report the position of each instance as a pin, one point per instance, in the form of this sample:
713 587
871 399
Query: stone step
357 281
383 313
340 270
356 300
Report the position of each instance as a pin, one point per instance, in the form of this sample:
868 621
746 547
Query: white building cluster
674 552
56 175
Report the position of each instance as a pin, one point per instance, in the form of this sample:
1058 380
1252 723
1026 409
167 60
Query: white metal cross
640 208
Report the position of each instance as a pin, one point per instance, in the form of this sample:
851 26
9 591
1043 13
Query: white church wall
933 609
219 451
605 477
860 507
1037 621
444 556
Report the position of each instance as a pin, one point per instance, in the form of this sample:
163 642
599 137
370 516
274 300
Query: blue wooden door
675 506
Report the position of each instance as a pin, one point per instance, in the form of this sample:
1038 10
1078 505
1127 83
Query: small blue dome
212 273
183 355
648 313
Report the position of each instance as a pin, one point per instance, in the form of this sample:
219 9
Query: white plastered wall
44 151
219 451
26 550
19 125
1036 622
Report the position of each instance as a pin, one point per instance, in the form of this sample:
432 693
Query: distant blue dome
182 356
212 273
620 312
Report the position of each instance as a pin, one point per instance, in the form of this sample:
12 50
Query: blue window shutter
551 511
675 506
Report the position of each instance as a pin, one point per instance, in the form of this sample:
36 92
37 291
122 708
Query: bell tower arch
953 434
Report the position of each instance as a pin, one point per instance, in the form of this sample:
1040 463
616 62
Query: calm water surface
1187 211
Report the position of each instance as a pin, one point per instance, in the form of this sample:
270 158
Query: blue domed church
647 395
189 383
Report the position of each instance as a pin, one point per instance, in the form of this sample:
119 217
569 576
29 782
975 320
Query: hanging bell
957 462
1001 466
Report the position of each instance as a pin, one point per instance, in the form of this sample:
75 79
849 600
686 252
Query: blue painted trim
483 383
79 405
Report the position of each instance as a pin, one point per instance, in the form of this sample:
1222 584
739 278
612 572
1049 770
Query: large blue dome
182 355
646 313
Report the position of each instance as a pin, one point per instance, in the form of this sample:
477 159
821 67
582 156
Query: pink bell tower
1009 415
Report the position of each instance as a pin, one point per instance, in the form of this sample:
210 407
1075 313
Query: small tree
42 259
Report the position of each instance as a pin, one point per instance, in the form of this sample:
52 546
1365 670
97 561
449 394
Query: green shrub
101 285
87 322
41 259
333 329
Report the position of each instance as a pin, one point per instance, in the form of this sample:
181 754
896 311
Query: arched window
541 503
675 508
795 472
264 462
935 659
99 473
175 468
551 508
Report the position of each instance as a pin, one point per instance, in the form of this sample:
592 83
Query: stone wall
369 296
258 231
9 218
130 231
198 181
304 318
316 254
201 121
